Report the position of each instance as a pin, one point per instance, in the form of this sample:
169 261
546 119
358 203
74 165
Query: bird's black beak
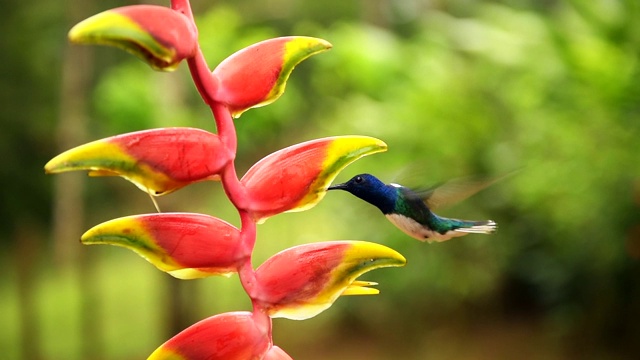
337 187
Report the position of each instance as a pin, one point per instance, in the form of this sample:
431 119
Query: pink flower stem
207 87
238 196
248 239
182 6
202 77
200 72
226 128
264 322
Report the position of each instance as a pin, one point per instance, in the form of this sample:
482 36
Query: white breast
418 231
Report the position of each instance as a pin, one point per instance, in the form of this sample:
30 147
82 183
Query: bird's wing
454 191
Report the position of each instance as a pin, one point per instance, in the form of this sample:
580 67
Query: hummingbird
411 210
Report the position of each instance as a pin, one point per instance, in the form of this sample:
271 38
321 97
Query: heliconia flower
227 336
301 282
296 178
158 161
185 245
257 75
158 35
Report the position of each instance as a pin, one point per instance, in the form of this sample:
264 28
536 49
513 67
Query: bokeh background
461 87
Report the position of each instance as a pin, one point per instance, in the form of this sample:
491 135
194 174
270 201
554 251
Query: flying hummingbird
411 211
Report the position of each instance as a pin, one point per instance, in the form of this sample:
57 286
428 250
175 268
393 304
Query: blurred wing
454 191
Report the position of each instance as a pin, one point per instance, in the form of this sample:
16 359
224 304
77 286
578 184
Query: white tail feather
488 227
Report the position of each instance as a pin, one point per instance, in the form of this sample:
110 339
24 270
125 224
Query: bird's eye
358 179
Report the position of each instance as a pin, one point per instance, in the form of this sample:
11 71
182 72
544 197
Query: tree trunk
68 212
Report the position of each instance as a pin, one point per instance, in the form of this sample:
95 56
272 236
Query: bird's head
369 188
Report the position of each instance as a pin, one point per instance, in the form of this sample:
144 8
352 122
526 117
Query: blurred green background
455 88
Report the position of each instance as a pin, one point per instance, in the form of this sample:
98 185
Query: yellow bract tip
361 288
116 29
342 151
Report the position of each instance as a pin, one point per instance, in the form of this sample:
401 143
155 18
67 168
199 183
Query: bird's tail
477 227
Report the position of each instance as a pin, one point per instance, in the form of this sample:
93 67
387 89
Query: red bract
158 161
228 336
184 245
296 178
158 35
257 75
301 282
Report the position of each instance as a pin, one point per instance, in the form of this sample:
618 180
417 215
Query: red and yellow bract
185 245
158 161
227 336
296 178
158 35
257 75
302 281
